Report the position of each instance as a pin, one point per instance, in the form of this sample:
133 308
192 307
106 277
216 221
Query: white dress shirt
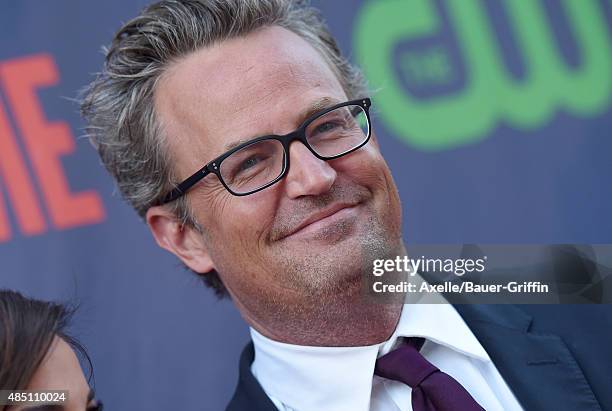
305 378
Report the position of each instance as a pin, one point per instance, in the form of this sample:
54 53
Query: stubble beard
318 298
331 307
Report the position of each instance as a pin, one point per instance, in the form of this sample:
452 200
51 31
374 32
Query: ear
184 242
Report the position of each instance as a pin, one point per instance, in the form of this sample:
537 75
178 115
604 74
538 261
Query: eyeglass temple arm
182 188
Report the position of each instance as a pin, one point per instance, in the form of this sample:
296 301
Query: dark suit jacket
553 357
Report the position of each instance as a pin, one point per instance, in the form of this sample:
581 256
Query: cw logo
488 94
45 144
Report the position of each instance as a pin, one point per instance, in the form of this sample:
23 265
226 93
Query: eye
249 163
326 127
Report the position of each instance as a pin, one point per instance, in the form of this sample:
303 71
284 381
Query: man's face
309 236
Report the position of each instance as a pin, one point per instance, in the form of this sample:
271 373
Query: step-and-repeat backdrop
495 117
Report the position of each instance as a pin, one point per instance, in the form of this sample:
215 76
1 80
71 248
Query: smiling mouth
326 222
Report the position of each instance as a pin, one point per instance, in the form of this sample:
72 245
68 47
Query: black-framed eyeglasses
257 164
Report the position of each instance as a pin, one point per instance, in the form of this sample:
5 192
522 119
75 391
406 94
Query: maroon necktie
432 390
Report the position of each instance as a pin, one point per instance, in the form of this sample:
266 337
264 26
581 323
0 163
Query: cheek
236 223
238 242
367 167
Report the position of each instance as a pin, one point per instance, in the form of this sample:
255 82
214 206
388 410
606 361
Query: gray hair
118 105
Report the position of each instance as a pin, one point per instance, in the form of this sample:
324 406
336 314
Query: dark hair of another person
27 330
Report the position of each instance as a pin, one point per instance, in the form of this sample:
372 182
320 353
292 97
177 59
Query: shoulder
555 348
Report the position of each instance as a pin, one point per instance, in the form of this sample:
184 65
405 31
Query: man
243 138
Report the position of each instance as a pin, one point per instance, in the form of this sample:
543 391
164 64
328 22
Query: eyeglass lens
258 164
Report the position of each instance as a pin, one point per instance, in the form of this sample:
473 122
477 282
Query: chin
337 268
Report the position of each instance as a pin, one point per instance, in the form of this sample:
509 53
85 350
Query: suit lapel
538 367
249 395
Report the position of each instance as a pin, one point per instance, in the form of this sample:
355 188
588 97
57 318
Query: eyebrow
316 106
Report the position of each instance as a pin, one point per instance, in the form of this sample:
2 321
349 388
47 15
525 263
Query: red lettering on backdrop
19 187
46 142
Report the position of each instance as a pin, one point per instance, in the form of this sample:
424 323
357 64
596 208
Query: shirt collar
438 323
340 378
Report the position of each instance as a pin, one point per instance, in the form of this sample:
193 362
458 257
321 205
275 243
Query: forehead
60 370
240 88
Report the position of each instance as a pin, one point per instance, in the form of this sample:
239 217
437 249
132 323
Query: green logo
489 95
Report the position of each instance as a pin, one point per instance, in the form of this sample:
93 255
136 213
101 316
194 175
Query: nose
307 174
